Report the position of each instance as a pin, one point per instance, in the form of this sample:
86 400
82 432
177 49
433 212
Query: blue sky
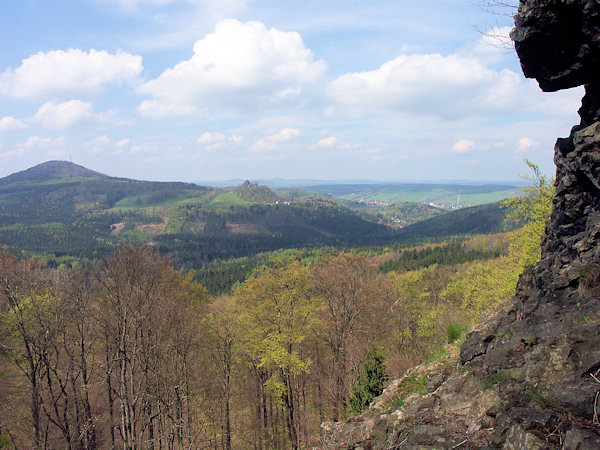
194 90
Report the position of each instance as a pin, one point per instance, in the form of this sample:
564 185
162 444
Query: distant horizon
278 182
254 89
303 182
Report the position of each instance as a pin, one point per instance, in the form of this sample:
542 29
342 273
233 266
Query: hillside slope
529 374
62 209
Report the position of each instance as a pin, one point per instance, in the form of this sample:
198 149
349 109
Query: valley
64 211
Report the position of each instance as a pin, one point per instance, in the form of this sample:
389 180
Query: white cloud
99 145
156 109
143 148
215 146
525 144
285 135
40 142
211 138
450 87
70 72
463 146
239 65
122 143
13 154
563 103
270 142
63 115
10 123
326 142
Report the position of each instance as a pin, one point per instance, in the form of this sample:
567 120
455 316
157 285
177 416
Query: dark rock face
531 375
557 42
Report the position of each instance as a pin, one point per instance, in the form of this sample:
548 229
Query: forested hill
63 209
481 219
50 170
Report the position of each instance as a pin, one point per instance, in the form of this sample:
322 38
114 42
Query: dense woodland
129 350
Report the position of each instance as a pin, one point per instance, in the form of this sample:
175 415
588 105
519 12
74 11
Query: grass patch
437 355
505 332
454 332
413 384
538 396
159 198
494 380
587 318
227 199
133 237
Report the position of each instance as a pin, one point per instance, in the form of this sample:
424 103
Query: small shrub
494 380
4 441
541 399
454 331
394 403
412 384
437 355
587 318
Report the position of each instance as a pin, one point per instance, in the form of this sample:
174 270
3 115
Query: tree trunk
290 412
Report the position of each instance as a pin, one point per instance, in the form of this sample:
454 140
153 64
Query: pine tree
369 381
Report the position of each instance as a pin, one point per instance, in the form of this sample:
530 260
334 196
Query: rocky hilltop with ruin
528 376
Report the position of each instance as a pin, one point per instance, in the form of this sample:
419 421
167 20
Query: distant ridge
51 170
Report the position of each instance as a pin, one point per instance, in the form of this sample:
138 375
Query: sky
199 90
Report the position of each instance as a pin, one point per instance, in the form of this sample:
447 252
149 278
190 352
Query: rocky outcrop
529 374
557 42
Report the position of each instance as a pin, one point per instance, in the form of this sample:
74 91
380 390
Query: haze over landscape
198 90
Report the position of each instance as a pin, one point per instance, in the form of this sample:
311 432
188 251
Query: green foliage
494 379
174 226
541 398
277 311
454 331
483 219
5 441
220 276
455 252
483 285
412 384
369 381
531 211
396 214
255 193
437 355
226 200
214 224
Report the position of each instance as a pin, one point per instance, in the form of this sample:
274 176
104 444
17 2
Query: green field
225 200
440 194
